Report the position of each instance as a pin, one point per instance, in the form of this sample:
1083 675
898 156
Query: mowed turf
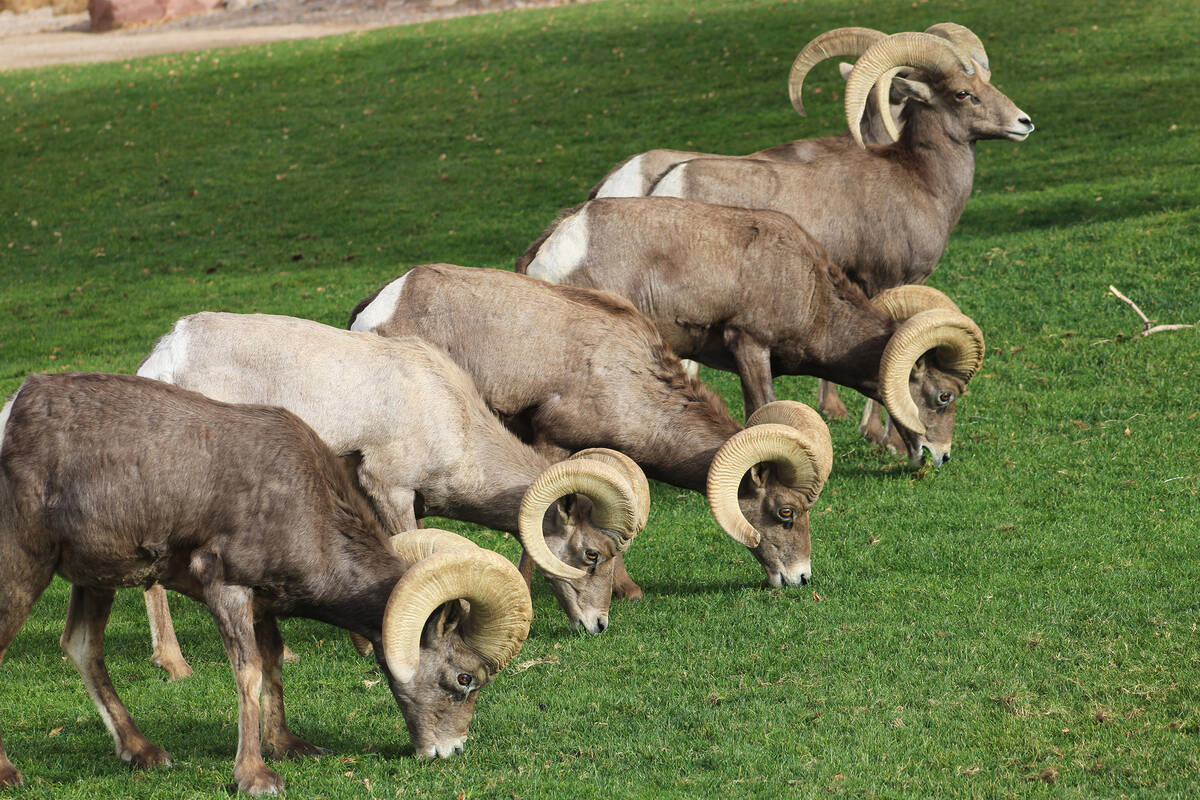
1021 622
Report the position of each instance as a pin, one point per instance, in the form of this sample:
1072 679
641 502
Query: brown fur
114 481
572 368
743 290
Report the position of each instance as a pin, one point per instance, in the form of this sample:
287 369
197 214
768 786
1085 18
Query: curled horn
789 435
500 609
883 101
616 511
917 50
901 302
965 40
632 472
837 43
959 343
415 545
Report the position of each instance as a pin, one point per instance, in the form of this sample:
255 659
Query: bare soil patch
40 38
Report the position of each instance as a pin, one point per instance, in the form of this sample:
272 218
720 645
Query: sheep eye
944 398
787 512
591 555
464 679
962 95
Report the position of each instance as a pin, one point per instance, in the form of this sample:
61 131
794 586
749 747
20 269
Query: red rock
108 14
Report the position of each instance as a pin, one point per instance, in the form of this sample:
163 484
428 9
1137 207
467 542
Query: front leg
754 368
871 426
83 642
525 566
232 608
828 401
278 741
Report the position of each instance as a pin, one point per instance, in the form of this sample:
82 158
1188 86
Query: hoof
260 781
293 747
146 756
631 592
362 645
10 776
176 669
833 409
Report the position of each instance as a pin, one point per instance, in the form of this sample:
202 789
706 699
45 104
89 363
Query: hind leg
162 635
83 642
22 581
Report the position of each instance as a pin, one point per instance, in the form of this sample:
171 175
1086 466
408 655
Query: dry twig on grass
1147 327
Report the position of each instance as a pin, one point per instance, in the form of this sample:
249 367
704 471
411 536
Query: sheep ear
913 90
566 506
845 67
759 474
918 370
441 623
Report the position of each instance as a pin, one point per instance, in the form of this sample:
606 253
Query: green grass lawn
1022 622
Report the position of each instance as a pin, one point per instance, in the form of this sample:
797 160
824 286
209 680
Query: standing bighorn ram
636 175
884 212
420 433
571 368
114 480
747 290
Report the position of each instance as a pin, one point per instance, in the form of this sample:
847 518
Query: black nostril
803 580
1025 121
946 458
601 625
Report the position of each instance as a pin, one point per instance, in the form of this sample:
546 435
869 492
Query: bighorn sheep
884 213
572 368
114 480
636 175
420 433
748 290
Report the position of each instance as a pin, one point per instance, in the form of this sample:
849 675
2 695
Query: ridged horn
959 343
421 543
615 511
808 422
802 455
498 621
917 50
901 302
632 472
883 101
837 43
965 40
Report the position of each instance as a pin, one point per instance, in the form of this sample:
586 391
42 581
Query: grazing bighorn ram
114 480
747 290
571 368
420 433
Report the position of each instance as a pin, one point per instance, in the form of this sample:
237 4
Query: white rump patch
4 415
168 354
381 309
563 252
671 184
625 182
